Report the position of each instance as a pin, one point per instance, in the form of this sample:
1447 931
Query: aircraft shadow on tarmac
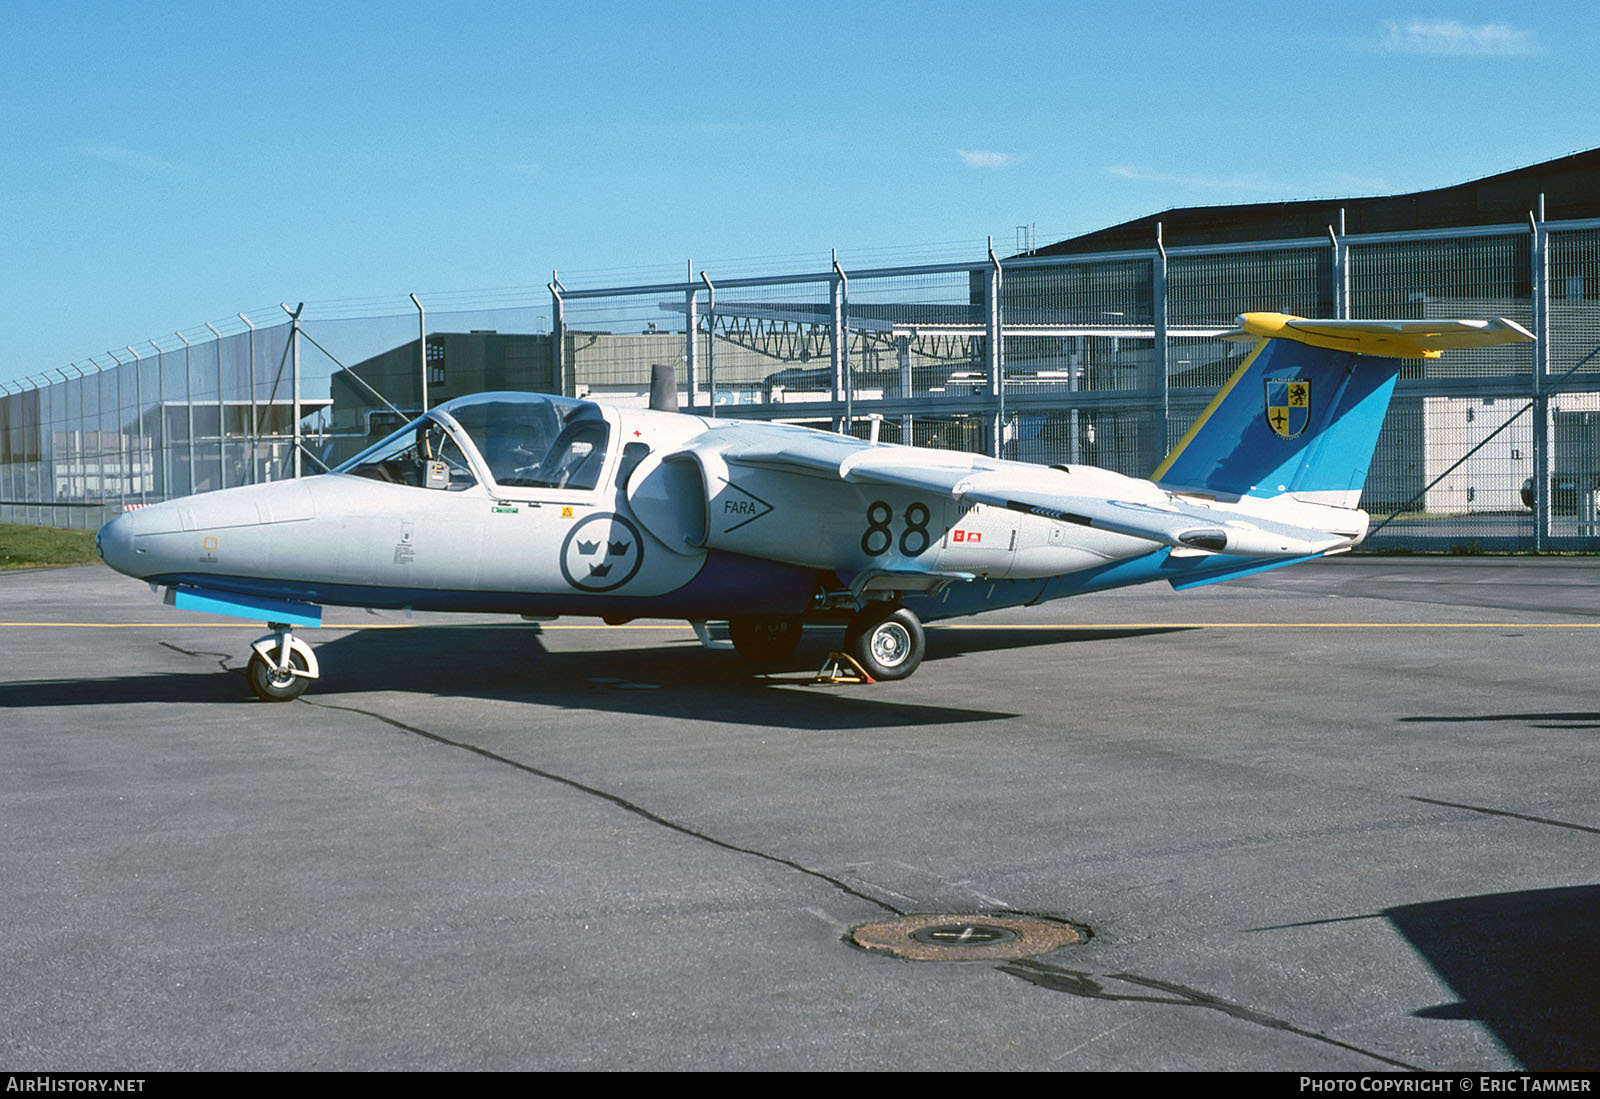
1526 965
213 686
681 679
949 643
512 663
1578 719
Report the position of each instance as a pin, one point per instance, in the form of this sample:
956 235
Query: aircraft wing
1177 523
1078 498
1051 493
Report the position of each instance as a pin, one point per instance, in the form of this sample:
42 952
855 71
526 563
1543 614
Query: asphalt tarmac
1336 817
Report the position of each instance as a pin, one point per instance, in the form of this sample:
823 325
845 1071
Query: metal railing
1100 359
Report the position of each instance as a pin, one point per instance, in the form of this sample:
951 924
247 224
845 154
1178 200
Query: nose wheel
281 666
885 640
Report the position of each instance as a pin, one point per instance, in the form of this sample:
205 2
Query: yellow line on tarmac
931 626
188 625
1275 626
246 624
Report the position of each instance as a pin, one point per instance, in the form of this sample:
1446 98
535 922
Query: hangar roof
1570 184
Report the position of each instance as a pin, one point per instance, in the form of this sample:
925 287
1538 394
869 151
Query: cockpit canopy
521 440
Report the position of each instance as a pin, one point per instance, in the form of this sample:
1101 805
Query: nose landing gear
282 666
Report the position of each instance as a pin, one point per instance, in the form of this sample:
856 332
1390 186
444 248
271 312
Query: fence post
44 470
44 423
255 423
422 350
1540 280
116 384
99 439
841 315
691 333
836 357
7 493
1158 300
18 436
994 325
294 374
1341 270
54 488
82 480
188 405
558 336
159 430
222 417
21 448
74 444
138 416
711 343
118 479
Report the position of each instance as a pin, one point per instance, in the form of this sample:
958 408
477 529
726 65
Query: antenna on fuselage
663 387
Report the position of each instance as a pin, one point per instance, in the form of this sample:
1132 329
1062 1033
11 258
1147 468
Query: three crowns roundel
601 552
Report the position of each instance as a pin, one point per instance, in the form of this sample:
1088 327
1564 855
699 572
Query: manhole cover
964 934
966 938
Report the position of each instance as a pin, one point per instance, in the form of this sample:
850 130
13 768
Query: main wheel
887 641
764 640
271 685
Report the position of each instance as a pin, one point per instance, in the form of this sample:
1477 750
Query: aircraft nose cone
114 543
129 543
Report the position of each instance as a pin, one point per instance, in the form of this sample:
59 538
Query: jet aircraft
542 505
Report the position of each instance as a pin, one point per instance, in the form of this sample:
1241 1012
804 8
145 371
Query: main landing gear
885 639
764 641
282 666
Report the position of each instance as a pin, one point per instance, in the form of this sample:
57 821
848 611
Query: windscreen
423 454
537 442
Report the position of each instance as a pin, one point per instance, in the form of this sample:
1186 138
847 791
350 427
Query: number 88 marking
917 529
878 516
877 538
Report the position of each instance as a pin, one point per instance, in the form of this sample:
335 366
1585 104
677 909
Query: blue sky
166 164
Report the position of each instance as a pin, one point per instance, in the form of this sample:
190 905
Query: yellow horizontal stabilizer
1399 339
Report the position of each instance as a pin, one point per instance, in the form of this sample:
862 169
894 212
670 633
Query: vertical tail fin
1296 419
1302 413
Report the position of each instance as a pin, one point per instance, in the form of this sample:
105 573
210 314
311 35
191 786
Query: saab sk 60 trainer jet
543 506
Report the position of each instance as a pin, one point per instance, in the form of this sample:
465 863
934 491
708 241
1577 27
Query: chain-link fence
1099 359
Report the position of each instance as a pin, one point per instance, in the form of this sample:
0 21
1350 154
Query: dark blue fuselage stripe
727 586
